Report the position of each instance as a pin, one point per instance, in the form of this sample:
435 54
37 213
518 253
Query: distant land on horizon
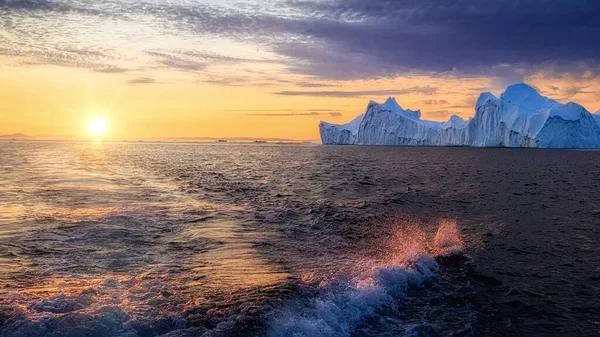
20 135
15 135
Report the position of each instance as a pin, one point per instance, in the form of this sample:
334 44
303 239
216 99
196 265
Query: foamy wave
342 306
114 306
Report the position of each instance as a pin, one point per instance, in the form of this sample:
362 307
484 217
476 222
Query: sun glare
97 127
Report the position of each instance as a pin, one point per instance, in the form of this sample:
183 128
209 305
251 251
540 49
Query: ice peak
484 97
521 87
520 91
456 118
454 121
392 104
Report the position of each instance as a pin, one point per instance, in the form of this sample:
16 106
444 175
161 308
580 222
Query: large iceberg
597 116
520 117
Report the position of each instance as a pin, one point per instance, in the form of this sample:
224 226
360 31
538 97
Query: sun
98 126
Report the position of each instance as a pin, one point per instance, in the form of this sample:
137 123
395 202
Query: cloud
325 39
297 114
461 107
575 90
238 81
228 81
142 80
45 6
175 61
111 70
313 85
441 113
441 36
371 93
434 101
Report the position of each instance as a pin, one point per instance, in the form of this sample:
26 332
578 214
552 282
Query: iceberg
520 117
597 116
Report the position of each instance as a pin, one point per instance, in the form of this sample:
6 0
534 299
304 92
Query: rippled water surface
174 239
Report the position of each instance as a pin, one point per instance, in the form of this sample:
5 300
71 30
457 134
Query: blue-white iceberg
520 117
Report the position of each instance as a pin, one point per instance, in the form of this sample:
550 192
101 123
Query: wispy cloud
296 114
177 62
314 85
434 101
111 70
444 113
360 93
575 90
142 80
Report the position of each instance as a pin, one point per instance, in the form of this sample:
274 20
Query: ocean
198 239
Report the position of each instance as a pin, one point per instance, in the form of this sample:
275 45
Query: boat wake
363 293
342 305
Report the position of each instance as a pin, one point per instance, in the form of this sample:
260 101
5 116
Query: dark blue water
168 239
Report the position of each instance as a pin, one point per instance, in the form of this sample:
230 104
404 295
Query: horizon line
23 136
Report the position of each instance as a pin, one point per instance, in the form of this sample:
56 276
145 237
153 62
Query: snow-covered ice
597 116
520 117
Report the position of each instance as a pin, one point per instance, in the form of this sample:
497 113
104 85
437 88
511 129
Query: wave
330 306
342 305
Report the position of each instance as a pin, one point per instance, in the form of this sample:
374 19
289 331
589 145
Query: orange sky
59 100
248 68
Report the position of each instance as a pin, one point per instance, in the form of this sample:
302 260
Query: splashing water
408 240
341 306
447 241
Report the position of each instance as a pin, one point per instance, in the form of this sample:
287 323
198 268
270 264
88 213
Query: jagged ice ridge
520 117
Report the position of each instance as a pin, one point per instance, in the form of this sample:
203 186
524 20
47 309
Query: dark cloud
45 6
336 39
31 5
441 35
416 89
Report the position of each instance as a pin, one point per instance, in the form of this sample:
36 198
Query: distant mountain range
15 135
42 136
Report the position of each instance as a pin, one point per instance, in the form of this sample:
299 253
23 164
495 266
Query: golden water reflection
70 205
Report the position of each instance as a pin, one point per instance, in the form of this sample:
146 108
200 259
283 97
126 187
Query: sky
275 68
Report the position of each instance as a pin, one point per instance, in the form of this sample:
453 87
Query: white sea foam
340 307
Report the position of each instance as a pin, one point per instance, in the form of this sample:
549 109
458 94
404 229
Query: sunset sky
258 68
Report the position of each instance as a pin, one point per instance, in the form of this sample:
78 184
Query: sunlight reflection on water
82 233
